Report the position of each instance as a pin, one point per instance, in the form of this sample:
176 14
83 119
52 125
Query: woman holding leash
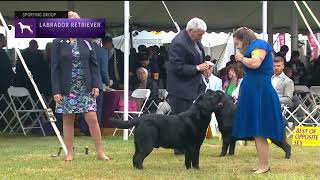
258 112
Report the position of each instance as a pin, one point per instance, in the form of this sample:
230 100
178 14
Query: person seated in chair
283 85
145 82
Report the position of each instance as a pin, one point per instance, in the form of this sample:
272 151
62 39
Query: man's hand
202 67
110 83
95 92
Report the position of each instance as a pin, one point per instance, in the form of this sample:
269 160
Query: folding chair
303 93
141 94
4 112
315 94
24 107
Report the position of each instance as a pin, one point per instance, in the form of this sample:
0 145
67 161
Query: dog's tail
123 124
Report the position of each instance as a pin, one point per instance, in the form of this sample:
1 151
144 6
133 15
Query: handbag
132 105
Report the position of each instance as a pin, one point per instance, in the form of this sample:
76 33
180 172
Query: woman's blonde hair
245 35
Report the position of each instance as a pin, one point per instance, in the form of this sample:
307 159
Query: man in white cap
211 81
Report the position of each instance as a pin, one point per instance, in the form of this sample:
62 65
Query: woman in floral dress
75 82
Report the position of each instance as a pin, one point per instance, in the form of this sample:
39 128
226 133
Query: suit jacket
120 65
32 60
6 72
102 58
61 65
284 89
183 79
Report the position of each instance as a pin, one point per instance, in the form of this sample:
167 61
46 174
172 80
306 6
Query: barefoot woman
75 82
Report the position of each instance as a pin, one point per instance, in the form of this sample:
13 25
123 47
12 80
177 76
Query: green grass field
30 158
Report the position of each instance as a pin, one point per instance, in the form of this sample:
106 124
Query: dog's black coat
186 130
225 115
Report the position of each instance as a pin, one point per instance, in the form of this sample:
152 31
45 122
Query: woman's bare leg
68 134
262 147
92 121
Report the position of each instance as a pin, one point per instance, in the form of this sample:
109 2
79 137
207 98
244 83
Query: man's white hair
142 68
196 24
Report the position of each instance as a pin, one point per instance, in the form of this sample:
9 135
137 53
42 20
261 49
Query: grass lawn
30 158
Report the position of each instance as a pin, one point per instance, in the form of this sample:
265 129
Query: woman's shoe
254 169
259 171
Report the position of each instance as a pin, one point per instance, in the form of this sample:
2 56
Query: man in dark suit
116 63
6 72
32 57
186 63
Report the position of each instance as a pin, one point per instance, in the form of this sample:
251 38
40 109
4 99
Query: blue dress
258 109
79 99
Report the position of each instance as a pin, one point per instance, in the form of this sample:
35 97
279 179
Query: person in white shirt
283 85
211 81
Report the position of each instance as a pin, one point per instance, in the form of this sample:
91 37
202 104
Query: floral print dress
79 99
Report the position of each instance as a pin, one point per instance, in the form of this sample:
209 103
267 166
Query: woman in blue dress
258 113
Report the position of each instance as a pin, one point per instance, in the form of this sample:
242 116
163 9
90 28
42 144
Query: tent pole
174 22
265 20
306 22
270 22
313 16
126 64
294 29
47 110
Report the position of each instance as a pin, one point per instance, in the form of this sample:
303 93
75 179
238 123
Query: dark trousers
179 105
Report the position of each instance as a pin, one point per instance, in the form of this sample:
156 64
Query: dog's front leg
187 160
225 145
195 157
232 147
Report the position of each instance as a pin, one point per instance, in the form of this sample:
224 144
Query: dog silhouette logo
23 27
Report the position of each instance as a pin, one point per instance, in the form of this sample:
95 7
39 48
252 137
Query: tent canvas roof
151 15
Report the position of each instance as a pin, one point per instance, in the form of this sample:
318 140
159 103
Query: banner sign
36 24
306 136
313 46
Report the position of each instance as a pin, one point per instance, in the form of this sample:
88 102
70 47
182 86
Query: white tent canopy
220 16
218 45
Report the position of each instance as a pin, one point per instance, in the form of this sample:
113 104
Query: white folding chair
5 112
303 93
26 113
142 94
315 94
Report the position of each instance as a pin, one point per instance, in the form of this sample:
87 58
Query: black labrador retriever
225 115
186 130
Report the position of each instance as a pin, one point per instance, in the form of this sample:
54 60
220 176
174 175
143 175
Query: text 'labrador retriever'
186 130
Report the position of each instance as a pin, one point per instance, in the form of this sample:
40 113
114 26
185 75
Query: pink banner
281 39
313 46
